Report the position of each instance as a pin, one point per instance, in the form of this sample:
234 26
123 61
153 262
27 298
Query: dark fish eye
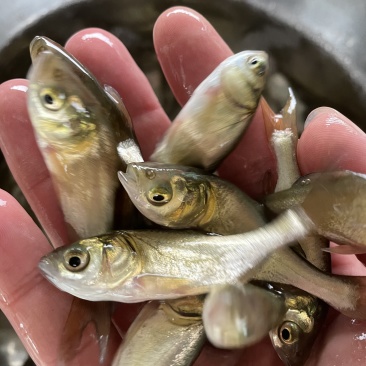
48 99
288 332
253 61
76 260
258 65
52 99
159 196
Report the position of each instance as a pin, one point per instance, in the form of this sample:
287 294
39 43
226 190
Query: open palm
188 49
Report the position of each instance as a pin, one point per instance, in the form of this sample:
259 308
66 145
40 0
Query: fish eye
51 99
253 61
288 332
159 196
258 65
76 260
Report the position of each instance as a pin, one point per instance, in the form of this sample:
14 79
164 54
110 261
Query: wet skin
36 309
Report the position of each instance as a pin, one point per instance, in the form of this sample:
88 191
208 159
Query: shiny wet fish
220 109
133 266
78 127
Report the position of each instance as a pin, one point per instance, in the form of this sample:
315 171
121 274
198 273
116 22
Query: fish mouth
129 182
44 265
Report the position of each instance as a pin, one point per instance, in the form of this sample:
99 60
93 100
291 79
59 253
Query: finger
188 49
35 308
261 354
341 343
330 141
109 60
26 162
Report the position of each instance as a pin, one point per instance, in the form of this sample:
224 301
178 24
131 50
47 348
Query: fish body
181 197
333 201
211 123
78 127
133 266
154 340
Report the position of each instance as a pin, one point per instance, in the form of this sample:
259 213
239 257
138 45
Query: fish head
168 195
243 78
61 107
91 267
294 337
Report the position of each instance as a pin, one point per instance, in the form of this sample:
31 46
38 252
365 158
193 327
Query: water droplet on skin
4 298
360 337
2 203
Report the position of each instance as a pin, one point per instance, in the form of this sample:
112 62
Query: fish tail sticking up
288 227
358 284
81 314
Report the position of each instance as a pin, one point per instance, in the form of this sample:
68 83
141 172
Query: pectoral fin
156 286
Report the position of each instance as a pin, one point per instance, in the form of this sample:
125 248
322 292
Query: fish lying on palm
134 266
220 109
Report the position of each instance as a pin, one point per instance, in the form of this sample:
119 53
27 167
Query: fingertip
331 141
188 49
13 110
111 63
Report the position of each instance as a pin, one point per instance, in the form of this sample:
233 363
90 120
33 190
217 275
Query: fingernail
315 113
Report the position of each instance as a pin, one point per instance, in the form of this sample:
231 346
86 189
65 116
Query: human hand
188 49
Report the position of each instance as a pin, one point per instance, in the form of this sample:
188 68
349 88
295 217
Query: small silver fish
212 122
182 197
78 127
133 266
154 340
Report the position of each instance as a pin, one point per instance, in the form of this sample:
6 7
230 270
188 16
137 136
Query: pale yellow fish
79 127
183 197
154 340
334 201
212 122
133 266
